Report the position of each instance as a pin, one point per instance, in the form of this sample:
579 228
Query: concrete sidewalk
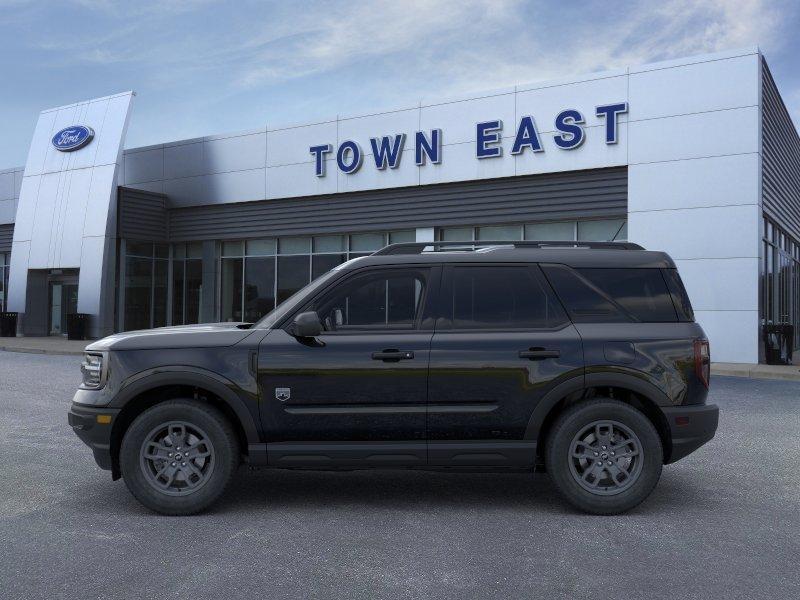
43 345
788 372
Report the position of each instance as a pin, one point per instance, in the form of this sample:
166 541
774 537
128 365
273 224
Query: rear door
501 343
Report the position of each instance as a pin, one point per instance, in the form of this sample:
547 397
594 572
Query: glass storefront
164 284
187 283
5 260
257 275
146 283
780 283
605 230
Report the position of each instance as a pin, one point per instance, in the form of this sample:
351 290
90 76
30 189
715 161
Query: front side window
500 297
383 300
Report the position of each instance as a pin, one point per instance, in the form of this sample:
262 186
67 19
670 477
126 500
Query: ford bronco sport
579 358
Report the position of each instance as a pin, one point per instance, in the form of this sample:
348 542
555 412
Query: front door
356 394
502 342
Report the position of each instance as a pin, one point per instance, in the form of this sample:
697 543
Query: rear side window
584 301
679 296
500 297
613 295
641 292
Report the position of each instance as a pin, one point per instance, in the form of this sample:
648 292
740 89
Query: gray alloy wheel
177 458
606 457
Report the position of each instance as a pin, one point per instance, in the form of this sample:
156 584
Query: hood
206 335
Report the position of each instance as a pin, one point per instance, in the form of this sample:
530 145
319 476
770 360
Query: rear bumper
690 427
84 422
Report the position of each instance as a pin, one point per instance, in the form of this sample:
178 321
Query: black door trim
412 453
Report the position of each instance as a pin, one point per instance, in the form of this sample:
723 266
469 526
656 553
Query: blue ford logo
72 138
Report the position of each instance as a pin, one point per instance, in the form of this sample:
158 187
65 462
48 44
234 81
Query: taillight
702 361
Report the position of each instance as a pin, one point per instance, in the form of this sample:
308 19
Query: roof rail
419 247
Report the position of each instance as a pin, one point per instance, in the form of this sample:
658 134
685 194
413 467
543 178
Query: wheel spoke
169 473
592 470
621 445
177 433
617 474
159 453
189 470
627 454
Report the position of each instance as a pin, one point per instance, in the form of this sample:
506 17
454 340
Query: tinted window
680 299
388 300
613 295
502 297
641 292
584 301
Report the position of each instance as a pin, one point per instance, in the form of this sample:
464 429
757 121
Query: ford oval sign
72 138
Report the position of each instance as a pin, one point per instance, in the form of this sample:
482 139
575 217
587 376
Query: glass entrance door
57 323
63 301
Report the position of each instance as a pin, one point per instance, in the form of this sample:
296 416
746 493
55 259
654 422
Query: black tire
213 457
591 486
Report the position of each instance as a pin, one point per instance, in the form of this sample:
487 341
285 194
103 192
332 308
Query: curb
745 371
41 351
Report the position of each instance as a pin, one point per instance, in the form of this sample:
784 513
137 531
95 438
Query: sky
203 67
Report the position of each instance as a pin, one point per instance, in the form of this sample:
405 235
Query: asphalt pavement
722 523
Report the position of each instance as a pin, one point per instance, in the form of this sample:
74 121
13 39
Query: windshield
285 307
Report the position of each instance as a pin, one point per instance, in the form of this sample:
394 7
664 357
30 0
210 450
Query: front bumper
93 432
690 427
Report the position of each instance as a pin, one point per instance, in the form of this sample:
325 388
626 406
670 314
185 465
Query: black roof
574 254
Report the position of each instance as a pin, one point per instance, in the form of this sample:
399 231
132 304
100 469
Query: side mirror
306 325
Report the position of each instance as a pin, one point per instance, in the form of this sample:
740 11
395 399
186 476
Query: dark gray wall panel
142 215
780 164
586 194
6 237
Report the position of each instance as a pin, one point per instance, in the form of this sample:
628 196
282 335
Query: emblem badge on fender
283 394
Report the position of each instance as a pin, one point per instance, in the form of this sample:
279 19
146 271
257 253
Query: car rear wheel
178 457
604 456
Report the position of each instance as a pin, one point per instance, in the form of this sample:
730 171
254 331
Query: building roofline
82 102
439 100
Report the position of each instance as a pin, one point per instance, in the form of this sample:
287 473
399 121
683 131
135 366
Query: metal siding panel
780 159
142 215
6 237
594 193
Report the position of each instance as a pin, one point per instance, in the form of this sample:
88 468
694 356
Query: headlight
93 371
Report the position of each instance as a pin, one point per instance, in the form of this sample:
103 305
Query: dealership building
697 157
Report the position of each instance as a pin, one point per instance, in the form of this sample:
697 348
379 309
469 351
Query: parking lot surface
722 523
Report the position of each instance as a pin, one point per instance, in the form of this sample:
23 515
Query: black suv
579 358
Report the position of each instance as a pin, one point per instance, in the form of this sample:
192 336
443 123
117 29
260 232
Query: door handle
538 353
393 355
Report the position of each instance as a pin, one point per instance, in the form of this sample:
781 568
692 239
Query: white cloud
452 43
331 40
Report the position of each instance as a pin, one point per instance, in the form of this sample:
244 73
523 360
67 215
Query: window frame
424 322
444 321
310 254
153 257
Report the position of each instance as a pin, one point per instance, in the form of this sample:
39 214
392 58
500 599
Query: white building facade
697 157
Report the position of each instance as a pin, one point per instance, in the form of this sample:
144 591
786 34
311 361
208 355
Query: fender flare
548 401
570 386
194 377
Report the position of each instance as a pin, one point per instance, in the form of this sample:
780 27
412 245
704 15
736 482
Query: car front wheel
178 457
604 456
